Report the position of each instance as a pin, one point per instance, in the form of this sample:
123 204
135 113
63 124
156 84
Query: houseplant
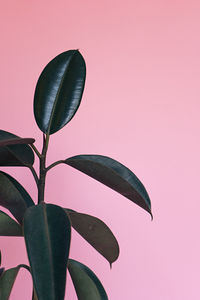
46 228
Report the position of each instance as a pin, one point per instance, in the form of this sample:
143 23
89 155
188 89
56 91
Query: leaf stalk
35 150
34 174
55 164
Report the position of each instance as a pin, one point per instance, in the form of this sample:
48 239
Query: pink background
141 107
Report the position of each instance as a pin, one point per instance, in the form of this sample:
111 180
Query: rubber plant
46 227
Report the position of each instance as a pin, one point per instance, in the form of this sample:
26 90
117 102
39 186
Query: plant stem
55 164
43 170
35 150
34 174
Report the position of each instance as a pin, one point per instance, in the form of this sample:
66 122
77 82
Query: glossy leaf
59 90
8 226
47 233
17 141
7 280
14 151
114 175
13 196
96 233
86 283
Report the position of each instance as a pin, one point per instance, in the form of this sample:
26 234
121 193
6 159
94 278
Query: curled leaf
14 151
16 141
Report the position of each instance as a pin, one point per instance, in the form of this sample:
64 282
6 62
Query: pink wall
141 107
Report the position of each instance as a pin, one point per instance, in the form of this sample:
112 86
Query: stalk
55 164
43 170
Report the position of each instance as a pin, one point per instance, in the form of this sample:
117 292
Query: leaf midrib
49 248
57 95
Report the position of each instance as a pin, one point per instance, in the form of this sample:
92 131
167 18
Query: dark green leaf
86 283
16 141
96 233
47 233
59 90
14 151
114 175
8 226
13 196
7 281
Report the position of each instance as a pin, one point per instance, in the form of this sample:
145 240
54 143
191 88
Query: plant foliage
46 228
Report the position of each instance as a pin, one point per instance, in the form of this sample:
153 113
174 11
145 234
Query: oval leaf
47 233
59 90
13 196
14 151
8 226
114 175
96 233
86 283
7 280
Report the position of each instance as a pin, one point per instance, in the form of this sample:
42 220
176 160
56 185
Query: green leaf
16 141
14 151
114 175
47 232
59 90
86 283
96 233
13 196
7 280
8 226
